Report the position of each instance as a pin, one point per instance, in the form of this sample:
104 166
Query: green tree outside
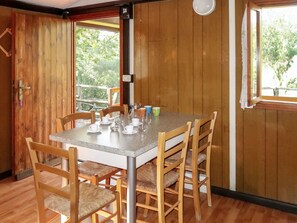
97 60
279 47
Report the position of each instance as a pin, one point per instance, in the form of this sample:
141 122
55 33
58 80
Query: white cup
135 121
105 120
93 127
128 129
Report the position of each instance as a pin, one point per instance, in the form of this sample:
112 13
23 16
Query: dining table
125 151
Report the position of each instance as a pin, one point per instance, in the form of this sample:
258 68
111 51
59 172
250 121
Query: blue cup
148 109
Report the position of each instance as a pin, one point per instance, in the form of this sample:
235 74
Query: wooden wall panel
185 57
154 54
287 156
212 82
225 93
188 64
271 154
168 56
5 92
254 159
266 146
239 8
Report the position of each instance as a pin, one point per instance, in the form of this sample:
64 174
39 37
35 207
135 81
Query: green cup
156 111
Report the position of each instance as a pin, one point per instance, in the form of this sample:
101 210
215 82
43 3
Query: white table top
117 142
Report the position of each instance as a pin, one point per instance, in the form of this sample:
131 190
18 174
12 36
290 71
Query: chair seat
201 158
91 199
147 178
89 169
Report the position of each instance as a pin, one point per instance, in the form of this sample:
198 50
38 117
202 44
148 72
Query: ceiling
64 4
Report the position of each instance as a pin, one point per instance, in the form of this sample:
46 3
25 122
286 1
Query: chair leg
208 192
116 209
196 196
147 203
94 180
95 218
119 190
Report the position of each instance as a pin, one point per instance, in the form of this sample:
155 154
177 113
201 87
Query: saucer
91 131
132 133
105 123
140 123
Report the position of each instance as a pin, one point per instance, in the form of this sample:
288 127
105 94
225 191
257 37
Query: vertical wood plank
144 45
225 95
271 154
239 8
154 54
287 154
198 67
5 91
185 56
212 83
27 80
168 56
137 51
254 152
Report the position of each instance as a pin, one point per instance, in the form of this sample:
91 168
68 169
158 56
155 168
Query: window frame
264 102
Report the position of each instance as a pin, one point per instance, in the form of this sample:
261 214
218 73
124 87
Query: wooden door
42 82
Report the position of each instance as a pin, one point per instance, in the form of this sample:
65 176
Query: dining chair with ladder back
198 160
123 109
89 170
77 200
154 178
113 96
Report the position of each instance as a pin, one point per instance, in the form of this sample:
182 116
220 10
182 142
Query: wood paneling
266 144
5 92
182 64
42 60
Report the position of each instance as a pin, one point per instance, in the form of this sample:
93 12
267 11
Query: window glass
279 51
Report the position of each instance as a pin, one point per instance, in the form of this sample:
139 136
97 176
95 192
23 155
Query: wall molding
282 206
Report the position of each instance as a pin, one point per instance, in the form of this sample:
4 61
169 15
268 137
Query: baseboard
29 172
5 174
282 206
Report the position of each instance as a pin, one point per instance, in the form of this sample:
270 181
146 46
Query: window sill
277 105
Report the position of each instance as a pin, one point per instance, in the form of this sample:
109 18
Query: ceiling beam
103 6
30 7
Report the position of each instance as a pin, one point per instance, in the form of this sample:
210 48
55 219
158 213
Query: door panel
42 81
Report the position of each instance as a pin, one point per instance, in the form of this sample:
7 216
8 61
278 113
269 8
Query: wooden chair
117 108
62 122
154 179
77 200
113 96
198 160
89 170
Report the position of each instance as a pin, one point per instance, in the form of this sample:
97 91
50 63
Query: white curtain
244 49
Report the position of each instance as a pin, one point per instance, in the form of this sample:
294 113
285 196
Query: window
272 56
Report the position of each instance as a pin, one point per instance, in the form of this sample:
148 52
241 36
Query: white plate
91 131
132 133
105 123
140 123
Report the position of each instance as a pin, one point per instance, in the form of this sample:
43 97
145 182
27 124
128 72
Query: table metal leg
131 190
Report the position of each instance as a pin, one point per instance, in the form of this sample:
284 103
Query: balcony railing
102 100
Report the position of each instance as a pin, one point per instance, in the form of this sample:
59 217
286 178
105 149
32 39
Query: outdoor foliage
279 49
97 60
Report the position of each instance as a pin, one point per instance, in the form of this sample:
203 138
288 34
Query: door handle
21 88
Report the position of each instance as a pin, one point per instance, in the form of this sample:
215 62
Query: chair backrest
202 138
61 122
117 108
44 186
113 96
165 150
